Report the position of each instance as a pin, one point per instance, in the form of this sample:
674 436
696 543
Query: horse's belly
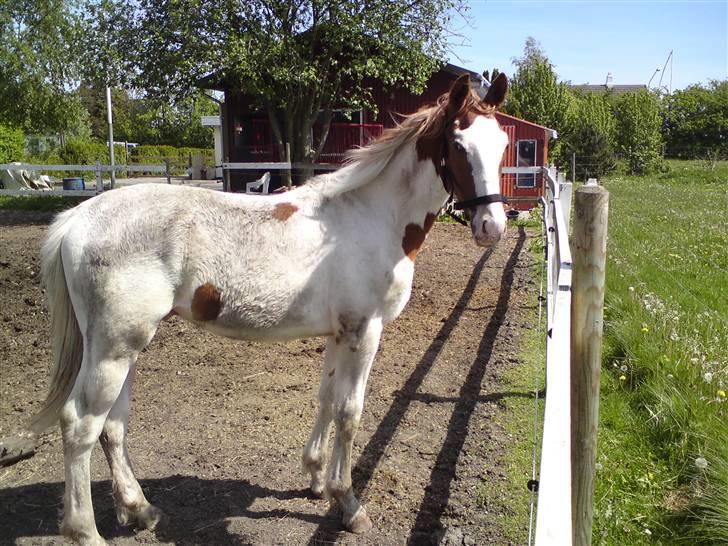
280 333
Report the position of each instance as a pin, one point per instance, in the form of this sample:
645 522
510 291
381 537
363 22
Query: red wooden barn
247 135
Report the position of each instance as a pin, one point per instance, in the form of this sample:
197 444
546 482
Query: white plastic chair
261 183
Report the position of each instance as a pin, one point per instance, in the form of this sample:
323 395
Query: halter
445 177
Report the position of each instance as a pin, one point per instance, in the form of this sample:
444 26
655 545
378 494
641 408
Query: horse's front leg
355 346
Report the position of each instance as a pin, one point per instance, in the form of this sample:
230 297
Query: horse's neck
405 192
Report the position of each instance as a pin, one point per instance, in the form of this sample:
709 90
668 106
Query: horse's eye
459 147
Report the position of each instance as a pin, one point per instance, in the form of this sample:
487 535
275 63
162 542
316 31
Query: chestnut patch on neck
283 211
414 236
206 304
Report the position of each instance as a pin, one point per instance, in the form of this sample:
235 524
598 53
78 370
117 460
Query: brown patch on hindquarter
414 236
206 303
283 211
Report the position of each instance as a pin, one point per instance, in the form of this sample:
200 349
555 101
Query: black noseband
484 200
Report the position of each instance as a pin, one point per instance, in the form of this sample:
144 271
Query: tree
638 131
298 59
535 93
37 65
696 121
591 136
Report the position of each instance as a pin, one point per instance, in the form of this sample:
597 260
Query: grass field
663 457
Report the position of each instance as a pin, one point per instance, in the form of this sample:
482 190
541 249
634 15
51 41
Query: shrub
88 152
638 131
11 144
591 136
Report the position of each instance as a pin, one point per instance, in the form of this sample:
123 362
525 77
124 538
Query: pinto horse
334 258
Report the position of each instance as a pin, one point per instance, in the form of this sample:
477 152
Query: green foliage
11 144
296 60
663 427
145 121
86 152
696 122
148 154
38 61
535 93
639 140
591 136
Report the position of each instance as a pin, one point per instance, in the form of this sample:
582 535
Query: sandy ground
218 426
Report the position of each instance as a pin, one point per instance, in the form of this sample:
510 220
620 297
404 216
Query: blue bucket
73 184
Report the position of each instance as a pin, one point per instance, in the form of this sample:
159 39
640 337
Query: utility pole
110 119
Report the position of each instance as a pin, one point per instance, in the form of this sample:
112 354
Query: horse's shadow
197 508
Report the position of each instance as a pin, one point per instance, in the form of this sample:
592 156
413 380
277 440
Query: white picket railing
553 516
98 169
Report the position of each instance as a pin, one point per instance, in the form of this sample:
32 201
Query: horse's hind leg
108 358
357 344
82 418
314 454
131 504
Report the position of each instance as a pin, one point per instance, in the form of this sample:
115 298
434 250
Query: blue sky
586 39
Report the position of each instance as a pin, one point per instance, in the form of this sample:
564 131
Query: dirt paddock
218 426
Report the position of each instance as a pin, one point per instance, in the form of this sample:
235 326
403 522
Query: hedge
12 144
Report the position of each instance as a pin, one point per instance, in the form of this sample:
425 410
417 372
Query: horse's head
472 150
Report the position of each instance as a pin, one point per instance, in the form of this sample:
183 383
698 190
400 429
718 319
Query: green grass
510 496
666 360
49 203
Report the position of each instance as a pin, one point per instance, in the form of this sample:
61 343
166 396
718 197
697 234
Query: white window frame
529 179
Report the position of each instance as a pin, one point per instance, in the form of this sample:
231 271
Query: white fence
98 169
574 321
553 516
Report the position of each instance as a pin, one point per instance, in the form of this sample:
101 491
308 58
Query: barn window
526 158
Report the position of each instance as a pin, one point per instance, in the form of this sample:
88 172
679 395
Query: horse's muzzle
488 228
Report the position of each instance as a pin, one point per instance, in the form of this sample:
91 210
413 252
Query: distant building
608 86
247 137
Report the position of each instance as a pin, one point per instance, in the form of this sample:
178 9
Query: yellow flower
624 378
645 329
721 393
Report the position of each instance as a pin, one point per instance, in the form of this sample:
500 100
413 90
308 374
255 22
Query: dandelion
721 393
708 377
623 378
623 367
631 288
701 463
645 329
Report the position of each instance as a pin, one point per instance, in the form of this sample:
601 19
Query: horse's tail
66 339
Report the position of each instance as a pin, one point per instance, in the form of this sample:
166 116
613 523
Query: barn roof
552 132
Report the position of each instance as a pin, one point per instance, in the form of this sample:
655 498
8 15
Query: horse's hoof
360 523
151 517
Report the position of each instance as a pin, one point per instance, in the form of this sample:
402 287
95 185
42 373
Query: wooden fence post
166 171
589 248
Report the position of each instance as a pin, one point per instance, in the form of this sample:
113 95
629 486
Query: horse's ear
458 93
497 91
